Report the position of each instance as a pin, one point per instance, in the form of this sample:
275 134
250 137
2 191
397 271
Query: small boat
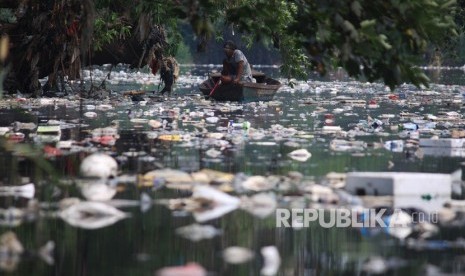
263 90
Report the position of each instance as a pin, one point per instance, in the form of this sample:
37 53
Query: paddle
214 88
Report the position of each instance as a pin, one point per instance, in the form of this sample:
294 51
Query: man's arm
225 70
240 70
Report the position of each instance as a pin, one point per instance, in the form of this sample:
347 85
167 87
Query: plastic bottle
246 125
237 125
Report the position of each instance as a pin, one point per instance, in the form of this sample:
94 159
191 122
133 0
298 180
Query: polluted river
332 177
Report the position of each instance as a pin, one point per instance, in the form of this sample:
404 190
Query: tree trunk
45 40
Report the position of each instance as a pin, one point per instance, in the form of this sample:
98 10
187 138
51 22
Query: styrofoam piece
427 191
443 143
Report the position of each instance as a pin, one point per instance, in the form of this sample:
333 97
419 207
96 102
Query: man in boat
236 68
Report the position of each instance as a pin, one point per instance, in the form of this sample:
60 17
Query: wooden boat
263 90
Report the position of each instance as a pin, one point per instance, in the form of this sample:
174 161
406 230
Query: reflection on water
147 241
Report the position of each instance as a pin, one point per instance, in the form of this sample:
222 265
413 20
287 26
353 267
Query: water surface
146 241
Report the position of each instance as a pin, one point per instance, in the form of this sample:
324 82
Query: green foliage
261 19
108 27
294 56
453 48
183 54
174 38
373 40
7 15
267 23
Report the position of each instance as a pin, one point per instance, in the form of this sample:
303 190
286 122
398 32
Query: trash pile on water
124 144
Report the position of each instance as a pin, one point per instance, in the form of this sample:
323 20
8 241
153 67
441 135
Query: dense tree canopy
374 40
370 39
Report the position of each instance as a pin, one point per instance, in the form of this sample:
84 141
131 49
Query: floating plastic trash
104 107
46 252
212 176
372 104
190 269
26 191
335 179
409 126
10 244
399 224
163 176
320 193
221 203
345 146
212 120
375 265
91 215
105 136
237 255
170 137
394 145
197 232
155 123
12 250
4 130
404 186
16 137
99 165
331 129
443 143
139 120
301 155
96 190
11 217
244 125
272 260
258 183
213 153
25 126
90 115
260 205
